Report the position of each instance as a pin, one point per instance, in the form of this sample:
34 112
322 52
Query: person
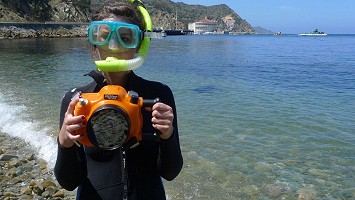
135 173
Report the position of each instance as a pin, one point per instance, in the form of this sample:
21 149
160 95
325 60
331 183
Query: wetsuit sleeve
170 159
69 168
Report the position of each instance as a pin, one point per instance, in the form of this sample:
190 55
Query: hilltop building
203 26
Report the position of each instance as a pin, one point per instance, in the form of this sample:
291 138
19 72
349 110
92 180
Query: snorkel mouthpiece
113 64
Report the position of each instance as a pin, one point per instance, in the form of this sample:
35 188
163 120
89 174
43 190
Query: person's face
113 47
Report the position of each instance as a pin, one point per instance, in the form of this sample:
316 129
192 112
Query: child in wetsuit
119 174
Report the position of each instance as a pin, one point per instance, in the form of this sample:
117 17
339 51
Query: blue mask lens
128 35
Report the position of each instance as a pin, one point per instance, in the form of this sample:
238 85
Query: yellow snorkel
113 64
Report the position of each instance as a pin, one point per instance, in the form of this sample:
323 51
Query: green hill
165 13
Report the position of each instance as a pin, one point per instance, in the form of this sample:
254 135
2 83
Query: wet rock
25 191
23 176
30 157
274 190
307 193
250 190
14 163
9 194
48 183
59 194
7 157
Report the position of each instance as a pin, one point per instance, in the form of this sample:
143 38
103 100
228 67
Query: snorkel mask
128 36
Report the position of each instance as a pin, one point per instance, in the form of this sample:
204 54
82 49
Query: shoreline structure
17 30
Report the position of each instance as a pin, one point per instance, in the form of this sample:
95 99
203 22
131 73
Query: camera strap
124 175
98 77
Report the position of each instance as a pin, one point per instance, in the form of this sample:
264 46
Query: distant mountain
261 30
166 14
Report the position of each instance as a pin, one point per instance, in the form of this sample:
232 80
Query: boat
163 34
315 32
278 33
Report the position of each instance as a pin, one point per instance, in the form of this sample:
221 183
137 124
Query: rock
21 176
37 190
42 164
5 179
26 190
274 190
47 183
46 194
307 193
7 157
26 176
15 180
51 190
9 194
25 197
37 198
30 157
250 190
60 194
14 172
14 163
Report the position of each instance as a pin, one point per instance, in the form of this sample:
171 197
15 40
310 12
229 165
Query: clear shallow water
260 117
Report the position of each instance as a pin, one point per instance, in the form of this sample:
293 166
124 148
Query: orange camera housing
116 97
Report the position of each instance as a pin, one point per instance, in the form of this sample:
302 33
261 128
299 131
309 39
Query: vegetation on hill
165 13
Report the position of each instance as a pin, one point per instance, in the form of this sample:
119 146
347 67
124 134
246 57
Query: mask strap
154 35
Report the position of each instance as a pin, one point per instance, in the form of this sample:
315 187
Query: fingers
162 113
162 119
71 123
74 123
72 104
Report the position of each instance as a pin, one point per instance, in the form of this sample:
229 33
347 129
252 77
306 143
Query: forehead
117 19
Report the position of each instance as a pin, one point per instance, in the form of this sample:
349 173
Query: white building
203 26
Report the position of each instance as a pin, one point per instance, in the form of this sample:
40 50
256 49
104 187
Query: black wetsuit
98 174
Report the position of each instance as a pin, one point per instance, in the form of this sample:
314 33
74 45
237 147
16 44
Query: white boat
315 32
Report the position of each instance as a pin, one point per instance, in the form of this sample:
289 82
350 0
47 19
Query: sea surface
260 116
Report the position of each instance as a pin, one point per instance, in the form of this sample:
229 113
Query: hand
70 124
162 119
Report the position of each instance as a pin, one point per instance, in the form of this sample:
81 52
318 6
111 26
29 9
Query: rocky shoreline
14 32
25 176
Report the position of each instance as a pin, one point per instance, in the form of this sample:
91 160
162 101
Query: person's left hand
162 119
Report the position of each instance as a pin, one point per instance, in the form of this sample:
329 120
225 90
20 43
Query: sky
292 16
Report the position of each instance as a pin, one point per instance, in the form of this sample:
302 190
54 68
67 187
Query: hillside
164 13
261 30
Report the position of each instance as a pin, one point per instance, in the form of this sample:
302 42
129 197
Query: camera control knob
134 97
83 101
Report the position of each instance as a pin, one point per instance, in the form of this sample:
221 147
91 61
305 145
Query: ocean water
260 116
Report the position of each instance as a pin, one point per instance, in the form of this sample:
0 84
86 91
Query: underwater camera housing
114 117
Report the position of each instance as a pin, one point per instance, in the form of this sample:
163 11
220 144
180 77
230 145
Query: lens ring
108 127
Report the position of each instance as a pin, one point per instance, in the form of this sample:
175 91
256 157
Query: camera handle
151 136
150 102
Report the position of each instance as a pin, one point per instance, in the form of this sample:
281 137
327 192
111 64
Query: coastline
18 31
25 176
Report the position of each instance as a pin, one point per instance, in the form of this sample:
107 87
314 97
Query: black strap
124 176
98 77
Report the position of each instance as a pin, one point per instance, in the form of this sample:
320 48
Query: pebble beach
25 176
